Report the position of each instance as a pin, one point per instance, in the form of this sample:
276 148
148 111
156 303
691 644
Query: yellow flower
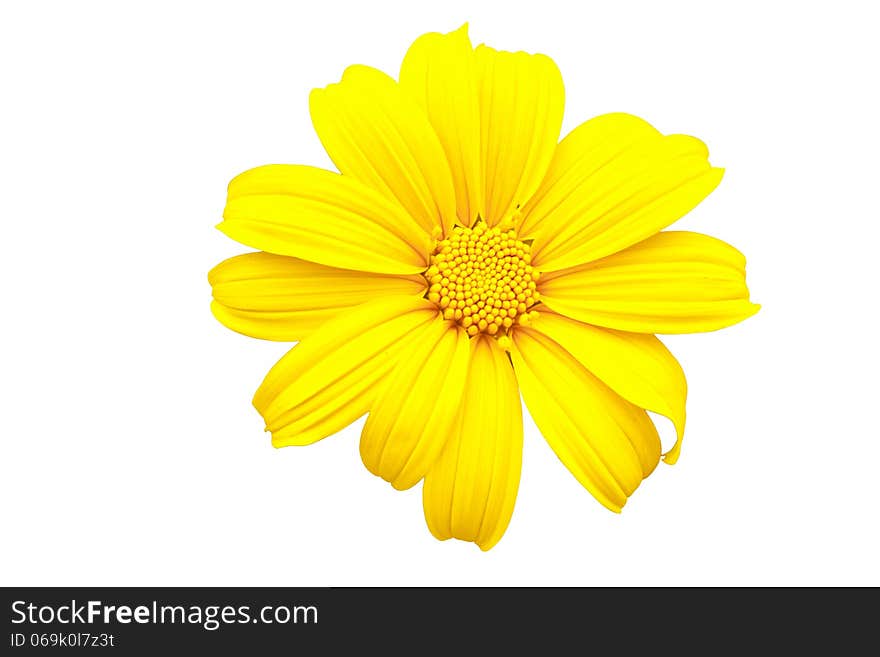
464 256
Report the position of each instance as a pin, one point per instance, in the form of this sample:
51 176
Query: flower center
481 278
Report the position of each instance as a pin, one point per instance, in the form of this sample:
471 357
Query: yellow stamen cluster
482 278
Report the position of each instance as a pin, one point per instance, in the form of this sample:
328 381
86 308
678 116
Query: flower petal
636 366
323 217
521 104
375 133
415 410
608 444
470 491
584 151
439 73
280 298
327 381
614 181
673 282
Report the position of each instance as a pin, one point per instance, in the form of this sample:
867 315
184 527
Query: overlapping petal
470 491
439 73
417 405
613 182
328 381
583 152
378 135
636 366
673 282
521 105
281 298
607 443
323 217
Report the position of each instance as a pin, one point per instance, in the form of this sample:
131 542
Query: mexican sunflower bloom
464 255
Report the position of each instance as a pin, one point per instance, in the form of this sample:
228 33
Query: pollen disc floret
483 278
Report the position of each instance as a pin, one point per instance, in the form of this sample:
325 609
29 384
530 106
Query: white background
131 453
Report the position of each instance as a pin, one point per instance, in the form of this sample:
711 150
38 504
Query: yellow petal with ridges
673 282
439 73
521 103
281 298
636 366
603 197
604 440
584 151
328 380
470 491
378 135
321 216
415 410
